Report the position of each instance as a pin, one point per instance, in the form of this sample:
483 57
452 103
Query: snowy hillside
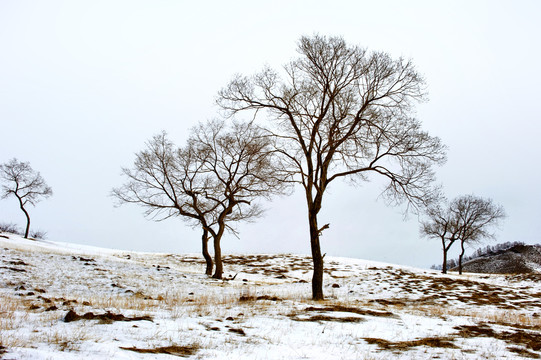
61 301
519 259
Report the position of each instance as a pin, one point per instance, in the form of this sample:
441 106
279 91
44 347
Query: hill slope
519 259
72 302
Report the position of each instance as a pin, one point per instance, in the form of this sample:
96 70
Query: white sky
83 84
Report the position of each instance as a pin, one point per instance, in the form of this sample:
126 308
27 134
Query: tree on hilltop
27 185
477 216
467 219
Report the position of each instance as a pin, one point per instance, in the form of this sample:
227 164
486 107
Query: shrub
39 234
10 228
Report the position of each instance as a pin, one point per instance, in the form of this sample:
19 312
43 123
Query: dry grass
175 350
512 318
434 342
530 340
64 339
119 302
12 312
350 309
13 316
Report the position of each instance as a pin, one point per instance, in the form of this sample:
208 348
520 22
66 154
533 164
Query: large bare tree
27 185
341 111
213 182
467 219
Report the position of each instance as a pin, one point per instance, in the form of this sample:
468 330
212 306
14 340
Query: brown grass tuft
531 340
434 342
341 308
175 350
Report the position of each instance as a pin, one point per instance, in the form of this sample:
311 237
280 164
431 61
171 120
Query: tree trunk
444 265
206 255
317 278
218 272
460 258
27 230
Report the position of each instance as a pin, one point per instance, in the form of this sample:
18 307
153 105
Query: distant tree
213 182
476 216
441 224
21 181
480 252
342 112
467 219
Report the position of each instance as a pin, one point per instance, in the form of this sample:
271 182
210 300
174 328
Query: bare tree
476 217
213 182
467 219
21 181
441 223
152 184
341 111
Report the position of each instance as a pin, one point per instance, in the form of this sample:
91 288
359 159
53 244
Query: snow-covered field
61 301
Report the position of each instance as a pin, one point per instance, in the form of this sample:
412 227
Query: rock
71 316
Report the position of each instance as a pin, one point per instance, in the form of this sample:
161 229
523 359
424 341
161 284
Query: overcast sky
83 85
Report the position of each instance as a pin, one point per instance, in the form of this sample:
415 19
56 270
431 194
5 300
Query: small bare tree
477 216
213 182
467 219
443 224
21 181
342 112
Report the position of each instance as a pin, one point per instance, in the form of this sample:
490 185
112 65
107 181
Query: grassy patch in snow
175 350
396 346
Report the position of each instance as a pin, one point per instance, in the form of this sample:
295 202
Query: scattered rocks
161 268
44 299
108 317
245 298
17 263
238 331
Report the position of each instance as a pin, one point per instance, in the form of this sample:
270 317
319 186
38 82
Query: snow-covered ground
62 301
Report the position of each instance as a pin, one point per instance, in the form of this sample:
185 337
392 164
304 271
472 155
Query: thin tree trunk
206 255
27 230
460 258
